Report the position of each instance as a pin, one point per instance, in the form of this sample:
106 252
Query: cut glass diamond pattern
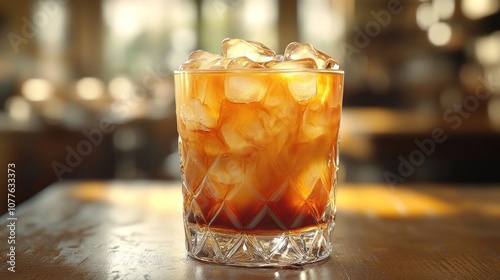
281 214
243 247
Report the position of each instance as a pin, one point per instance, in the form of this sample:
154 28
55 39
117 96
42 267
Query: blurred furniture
34 152
377 140
132 230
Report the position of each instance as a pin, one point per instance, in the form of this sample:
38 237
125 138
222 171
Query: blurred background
86 87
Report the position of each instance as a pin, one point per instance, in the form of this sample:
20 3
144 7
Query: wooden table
133 230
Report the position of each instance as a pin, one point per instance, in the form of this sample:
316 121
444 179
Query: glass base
260 249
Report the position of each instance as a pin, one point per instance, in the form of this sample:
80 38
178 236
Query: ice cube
281 106
196 64
245 89
197 116
220 63
302 86
295 51
255 51
246 131
280 115
225 170
278 130
207 91
200 54
312 180
243 62
234 139
279 57
200 60
330 90
292 64
314 121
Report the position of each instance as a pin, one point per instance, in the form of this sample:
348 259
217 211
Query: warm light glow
439 34
259 12
166 201
90 88
120 87
162 197
487 49
18 109
426 16
55 26
37 89
181 12
476 9
156 30
163 90
258 20
124 18
322 23
183 39
444 8
402 202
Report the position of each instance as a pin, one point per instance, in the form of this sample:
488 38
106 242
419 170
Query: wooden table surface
133 230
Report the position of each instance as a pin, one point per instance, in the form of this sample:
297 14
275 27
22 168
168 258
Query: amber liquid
263 163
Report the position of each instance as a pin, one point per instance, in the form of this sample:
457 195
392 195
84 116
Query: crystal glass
259 161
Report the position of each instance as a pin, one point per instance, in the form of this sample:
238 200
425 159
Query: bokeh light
37 90
487 49
475 9
439 34
426 16
18 109
120 87
90 88
444 8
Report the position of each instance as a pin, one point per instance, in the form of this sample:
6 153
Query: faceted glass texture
259 161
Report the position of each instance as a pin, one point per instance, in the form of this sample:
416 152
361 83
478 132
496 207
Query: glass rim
259 70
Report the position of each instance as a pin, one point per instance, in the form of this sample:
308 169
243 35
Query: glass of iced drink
258 140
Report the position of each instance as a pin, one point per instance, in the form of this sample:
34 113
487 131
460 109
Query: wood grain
133 230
